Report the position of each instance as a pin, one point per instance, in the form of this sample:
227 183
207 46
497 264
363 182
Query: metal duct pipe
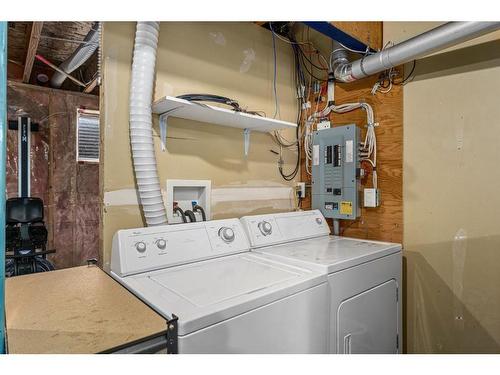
441 37
141 123
77 58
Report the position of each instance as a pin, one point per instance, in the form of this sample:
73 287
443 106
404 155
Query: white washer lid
207 284
332 253
207 292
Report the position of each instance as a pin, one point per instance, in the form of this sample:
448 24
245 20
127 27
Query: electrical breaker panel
335 172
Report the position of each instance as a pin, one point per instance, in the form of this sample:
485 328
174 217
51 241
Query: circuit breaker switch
337 155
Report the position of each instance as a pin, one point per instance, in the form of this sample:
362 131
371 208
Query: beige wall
229 59
451 200
400 31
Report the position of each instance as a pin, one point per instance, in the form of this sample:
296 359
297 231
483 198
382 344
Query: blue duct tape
3 155
335 33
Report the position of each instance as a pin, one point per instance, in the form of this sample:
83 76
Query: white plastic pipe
141 123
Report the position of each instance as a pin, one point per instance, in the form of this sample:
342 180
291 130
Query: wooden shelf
170 106
202 112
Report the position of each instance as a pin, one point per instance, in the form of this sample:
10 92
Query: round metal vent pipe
441 37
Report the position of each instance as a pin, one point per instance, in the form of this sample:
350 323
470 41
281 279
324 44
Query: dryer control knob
319 220
265 228
227 234
161 243
140 246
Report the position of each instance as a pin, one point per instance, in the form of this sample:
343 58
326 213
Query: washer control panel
144 249
265 230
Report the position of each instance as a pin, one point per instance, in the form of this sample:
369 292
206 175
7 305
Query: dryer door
368 322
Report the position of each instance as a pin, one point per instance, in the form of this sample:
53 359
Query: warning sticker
346 208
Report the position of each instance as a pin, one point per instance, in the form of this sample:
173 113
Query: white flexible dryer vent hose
141 133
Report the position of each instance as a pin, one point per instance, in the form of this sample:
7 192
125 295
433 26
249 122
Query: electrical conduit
141 132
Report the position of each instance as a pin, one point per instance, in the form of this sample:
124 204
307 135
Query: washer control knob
161 244
319 220
265 228
227 234
140 246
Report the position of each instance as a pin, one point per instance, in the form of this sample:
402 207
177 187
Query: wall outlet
301 189
325 124
371 197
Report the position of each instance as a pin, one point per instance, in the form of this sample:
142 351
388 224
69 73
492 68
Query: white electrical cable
390 75
368 149
308 139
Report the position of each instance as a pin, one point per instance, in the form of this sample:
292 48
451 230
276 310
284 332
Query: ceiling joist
34 39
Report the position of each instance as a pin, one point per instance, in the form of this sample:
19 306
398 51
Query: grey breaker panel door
335 166
368 322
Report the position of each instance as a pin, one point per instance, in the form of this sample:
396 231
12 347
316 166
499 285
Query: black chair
26 237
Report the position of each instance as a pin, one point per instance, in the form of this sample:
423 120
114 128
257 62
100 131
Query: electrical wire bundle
305 75
387 79
368 148
218 99
303 85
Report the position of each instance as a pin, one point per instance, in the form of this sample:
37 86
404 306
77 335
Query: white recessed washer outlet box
185 194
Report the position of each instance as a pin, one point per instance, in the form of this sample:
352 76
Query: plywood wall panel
384 223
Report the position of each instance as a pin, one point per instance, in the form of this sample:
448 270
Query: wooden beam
14 70
36 31
91 86
56 68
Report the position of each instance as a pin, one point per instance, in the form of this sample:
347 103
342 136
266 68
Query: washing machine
222 297
364 277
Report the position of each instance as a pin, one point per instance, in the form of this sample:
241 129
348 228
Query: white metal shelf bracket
246 140
164 126
163 131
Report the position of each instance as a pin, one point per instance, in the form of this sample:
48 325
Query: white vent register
87 136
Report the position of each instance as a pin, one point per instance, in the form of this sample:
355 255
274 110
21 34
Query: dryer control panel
146 249
265 230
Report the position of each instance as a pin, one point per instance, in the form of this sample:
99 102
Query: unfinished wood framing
34 39
91 86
